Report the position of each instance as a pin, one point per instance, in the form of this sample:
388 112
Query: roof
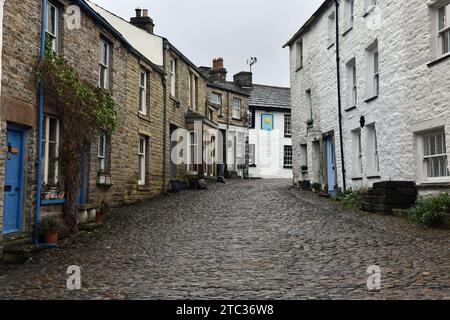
270 97
229 86
324 6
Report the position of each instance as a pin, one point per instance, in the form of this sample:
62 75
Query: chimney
218 73
244 79
143 21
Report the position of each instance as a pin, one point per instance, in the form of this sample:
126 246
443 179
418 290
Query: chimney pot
145 12
138 12
218 64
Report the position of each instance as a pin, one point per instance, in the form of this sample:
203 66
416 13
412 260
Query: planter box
387 196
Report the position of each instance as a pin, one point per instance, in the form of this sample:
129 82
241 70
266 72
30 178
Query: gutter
338 74
40 120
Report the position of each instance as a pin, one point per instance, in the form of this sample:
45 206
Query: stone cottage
121 169
370 94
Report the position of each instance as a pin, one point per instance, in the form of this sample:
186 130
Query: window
53 25
236 109
102 151
250 119
349 14
331 29
288 156
143 92
251 154
143 142
309 110
434 155
105 52
193 97
173 77
193 151
357 154
299 54
50 148
352 83
287 125
373 160
304 157
444 29
216 99
210 114
373 88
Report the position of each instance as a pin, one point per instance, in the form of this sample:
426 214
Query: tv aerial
252 61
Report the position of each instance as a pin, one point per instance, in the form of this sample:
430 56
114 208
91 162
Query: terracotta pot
51 237
99 217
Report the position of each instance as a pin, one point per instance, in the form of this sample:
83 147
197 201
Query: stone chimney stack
244 79
143 21
218 73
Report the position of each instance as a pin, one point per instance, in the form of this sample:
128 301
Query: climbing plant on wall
84 108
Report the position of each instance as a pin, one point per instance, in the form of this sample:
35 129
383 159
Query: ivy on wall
84 109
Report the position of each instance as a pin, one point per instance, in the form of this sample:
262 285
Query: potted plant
101 212
49 228
316 187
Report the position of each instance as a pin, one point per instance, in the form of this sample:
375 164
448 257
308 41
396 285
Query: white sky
232 29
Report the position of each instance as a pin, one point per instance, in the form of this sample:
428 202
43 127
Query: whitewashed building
391 60
270 133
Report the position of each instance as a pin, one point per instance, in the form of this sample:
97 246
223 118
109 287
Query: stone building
393 94
230 99
122 169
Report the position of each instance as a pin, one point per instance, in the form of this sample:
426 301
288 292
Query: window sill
298 69
50 202
371 99
144 116
252 166
347 31
438 60
434 185
288 136
330 46
287 167
369 10
143 188
375 176
350 109
357 178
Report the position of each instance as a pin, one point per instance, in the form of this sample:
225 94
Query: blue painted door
331 174
13 181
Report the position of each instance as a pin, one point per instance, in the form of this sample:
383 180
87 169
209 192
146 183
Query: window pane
53 130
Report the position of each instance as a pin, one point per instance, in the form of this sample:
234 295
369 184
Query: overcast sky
232 29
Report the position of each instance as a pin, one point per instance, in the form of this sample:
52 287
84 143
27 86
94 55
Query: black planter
306 185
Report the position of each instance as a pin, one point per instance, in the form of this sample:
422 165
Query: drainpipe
40 119
338 73
164 80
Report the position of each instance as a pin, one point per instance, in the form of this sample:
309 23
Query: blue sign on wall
267 122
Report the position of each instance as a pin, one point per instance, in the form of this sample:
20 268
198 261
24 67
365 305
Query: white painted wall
269 148
413 96
151 46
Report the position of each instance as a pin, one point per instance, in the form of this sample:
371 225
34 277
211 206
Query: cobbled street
252 239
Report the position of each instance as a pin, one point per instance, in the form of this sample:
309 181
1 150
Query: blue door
13 181
331 174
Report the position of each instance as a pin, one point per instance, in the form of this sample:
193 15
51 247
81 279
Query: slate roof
269 97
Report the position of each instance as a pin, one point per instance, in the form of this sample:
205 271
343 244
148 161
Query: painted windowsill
299 68
52 202
371 99
347 31
330 46
374 176
287 167
357 178
144 116
350 109
438 60
369 10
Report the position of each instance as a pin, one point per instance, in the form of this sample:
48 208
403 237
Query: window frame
234 108
287 126
55 37
193 91
142 160
373 71
102 152
373 155
423 167
286 156
331 35
358 168
173 77
443 31
299 54
105 65
46 147
252 154
219 103
143 87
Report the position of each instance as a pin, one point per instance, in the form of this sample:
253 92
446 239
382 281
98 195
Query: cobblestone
253 239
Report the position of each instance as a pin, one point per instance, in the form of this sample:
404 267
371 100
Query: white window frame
352 84
216 99
373 71
369 5
423 157
143 75
373 157
142 158
349 14
304 155
357 154
194 144
331 29
173 77
443 26
104 64
54 36
102 148
193 91
252 154
237 107
299 54
46 146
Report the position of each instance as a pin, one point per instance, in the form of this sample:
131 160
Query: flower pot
82 216
51 237
48 196
100 217
91 215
